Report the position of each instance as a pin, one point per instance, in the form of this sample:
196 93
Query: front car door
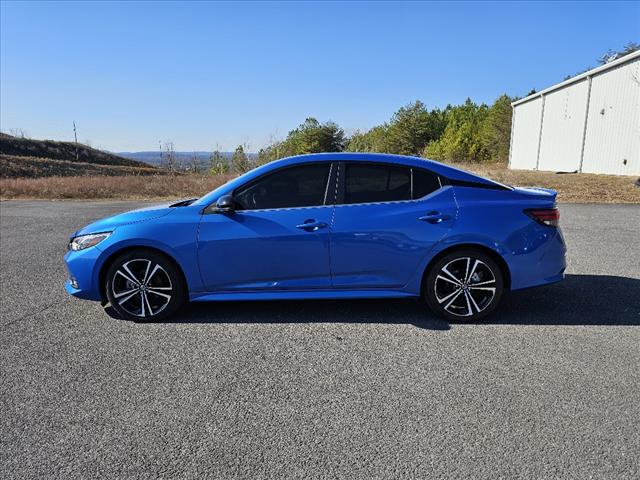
278 236
387 219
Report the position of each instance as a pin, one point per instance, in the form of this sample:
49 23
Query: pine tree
496 129
218 165
240 161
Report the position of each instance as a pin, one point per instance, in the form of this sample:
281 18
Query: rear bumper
542 265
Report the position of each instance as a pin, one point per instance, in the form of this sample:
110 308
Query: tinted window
302 186
424 182
376 183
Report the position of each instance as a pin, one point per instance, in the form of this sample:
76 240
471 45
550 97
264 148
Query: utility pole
75 135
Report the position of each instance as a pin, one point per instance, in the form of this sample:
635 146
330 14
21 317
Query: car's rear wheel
464 286
144 286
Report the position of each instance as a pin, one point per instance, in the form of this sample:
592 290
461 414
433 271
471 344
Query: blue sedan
333 225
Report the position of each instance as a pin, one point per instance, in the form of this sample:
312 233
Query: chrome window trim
326 189
411 180
337 187
413 200
239 212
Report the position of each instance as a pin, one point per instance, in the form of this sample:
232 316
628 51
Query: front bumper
77 292
84 269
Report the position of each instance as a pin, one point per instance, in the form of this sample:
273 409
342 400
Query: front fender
178 241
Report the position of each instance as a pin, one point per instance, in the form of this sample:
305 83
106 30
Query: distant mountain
154 158
185 159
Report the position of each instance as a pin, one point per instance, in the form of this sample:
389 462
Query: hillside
24 157
12 166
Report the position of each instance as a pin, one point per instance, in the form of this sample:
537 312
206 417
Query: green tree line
469 132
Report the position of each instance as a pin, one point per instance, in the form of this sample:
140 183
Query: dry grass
579 187
103 187
571 187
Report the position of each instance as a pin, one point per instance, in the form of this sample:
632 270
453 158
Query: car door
276 239
387 218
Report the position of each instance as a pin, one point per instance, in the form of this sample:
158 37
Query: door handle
435 217
311 225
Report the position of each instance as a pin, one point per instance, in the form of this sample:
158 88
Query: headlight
86 241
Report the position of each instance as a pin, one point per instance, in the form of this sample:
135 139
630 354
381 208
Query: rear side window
424 182
302 186
376 183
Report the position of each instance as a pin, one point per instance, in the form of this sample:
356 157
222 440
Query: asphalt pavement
548 387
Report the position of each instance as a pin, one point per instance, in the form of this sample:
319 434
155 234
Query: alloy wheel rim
465 286
142 287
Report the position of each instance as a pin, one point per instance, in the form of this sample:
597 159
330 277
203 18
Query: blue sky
205 74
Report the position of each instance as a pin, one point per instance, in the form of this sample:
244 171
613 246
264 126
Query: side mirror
225 204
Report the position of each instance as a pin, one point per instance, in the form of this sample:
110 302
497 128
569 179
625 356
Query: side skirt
297 295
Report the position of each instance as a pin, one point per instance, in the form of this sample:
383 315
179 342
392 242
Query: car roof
445 170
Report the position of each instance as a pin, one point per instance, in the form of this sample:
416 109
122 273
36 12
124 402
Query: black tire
135 299
465 293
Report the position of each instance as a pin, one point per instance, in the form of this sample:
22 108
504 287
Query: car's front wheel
465 285
144 286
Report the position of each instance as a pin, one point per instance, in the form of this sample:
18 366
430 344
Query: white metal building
589 123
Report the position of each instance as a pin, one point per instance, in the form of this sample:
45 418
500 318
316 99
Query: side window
302 186
424 182
376 183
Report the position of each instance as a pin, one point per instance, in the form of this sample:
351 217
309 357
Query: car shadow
578 300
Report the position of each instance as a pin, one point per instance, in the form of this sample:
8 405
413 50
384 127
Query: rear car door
276 239
387 219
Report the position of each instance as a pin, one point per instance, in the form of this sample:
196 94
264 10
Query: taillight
545 216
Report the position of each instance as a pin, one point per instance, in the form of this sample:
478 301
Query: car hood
134 216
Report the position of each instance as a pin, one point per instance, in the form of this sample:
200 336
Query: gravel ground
548 387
